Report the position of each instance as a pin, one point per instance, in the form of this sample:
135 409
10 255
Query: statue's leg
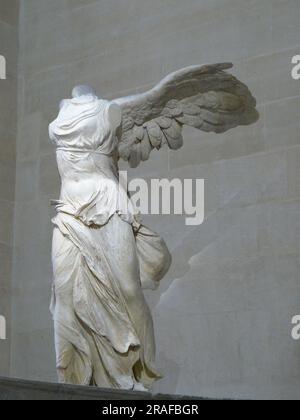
125 260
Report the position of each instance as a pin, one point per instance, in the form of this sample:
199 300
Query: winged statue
103 256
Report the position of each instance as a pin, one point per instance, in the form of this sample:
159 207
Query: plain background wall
8 128
223 314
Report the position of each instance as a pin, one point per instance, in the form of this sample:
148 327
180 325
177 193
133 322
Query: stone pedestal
17 389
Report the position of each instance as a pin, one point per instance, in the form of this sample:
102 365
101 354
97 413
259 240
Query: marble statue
103 256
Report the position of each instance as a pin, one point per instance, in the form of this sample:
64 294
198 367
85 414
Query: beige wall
8 125
223 313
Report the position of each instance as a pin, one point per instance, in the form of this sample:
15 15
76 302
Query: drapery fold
103 326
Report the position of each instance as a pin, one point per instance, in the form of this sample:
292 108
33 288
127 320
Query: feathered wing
204 97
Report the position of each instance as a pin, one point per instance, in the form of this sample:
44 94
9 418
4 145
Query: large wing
204 97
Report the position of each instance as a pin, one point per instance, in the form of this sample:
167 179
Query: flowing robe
102 258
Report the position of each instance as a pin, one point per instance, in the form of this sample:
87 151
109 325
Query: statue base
18 389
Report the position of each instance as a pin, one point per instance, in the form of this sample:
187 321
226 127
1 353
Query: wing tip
225 66
211 67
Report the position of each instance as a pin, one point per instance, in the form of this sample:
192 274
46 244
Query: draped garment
102 258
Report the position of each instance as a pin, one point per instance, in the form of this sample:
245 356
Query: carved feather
155 134
146 147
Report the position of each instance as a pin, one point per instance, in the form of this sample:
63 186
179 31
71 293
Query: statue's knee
132 291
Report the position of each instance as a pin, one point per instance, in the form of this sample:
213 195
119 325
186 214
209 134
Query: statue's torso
86 158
